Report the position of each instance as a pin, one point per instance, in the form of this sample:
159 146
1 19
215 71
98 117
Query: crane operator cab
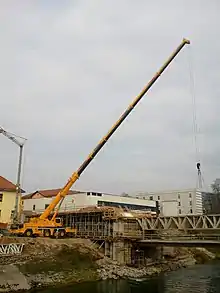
58 221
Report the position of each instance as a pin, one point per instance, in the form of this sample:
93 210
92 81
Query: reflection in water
123 286
202 279
112 286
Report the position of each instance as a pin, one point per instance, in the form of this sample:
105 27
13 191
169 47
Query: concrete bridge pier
129 253
119 251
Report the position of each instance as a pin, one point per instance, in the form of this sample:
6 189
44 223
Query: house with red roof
7 200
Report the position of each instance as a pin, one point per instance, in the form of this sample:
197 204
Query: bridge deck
186 242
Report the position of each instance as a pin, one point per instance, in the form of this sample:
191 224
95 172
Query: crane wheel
62 233
28 233
46 233
56 234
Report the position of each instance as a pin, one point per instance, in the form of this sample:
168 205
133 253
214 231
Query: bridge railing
11 249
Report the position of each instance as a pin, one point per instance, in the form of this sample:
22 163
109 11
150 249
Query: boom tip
186 41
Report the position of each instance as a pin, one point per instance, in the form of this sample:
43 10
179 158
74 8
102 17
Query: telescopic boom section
64 191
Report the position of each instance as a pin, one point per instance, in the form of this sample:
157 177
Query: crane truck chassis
43 226
53 230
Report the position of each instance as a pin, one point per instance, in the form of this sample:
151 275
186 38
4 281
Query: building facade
177 202
7 200
39 201
211 203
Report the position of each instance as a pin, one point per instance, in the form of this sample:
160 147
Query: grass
66 259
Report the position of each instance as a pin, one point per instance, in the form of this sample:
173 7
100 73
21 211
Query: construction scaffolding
88 224
105 223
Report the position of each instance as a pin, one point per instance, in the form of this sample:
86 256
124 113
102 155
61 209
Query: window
58 220
12 214
94 193
190 203
158 197
33 207
190 195
179 211
151 197
191 211
1 197
179 204
46 206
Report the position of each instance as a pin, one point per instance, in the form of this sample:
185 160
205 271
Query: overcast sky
70 68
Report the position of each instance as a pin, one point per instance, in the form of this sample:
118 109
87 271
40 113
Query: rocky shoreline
55 263
125 272
115 271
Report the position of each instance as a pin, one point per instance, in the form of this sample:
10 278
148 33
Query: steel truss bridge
188 230
186 223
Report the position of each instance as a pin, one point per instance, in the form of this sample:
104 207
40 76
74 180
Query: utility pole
13 138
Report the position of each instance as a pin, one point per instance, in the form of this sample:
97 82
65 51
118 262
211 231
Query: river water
199 278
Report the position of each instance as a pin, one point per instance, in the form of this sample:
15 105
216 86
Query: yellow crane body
43 226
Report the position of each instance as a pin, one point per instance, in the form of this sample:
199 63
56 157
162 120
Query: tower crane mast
13 138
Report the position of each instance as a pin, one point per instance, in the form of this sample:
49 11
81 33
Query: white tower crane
14 139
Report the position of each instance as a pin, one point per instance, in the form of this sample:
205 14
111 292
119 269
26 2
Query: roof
6 185
47 193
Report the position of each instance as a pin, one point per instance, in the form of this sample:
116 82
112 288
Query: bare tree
216 188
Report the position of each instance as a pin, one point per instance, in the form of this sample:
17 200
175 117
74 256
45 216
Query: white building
177 202
38 201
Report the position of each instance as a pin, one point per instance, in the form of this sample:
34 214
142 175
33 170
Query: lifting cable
200 180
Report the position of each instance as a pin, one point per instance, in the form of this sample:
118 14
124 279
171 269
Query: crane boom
64 191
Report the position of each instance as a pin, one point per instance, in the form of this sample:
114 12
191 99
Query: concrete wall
169 208
122 200
7 206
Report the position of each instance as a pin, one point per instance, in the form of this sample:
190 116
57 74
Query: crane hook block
198 166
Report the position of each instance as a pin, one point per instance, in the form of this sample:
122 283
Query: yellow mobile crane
43 226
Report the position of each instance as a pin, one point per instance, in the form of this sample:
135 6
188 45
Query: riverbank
174 258
51 262
194 279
